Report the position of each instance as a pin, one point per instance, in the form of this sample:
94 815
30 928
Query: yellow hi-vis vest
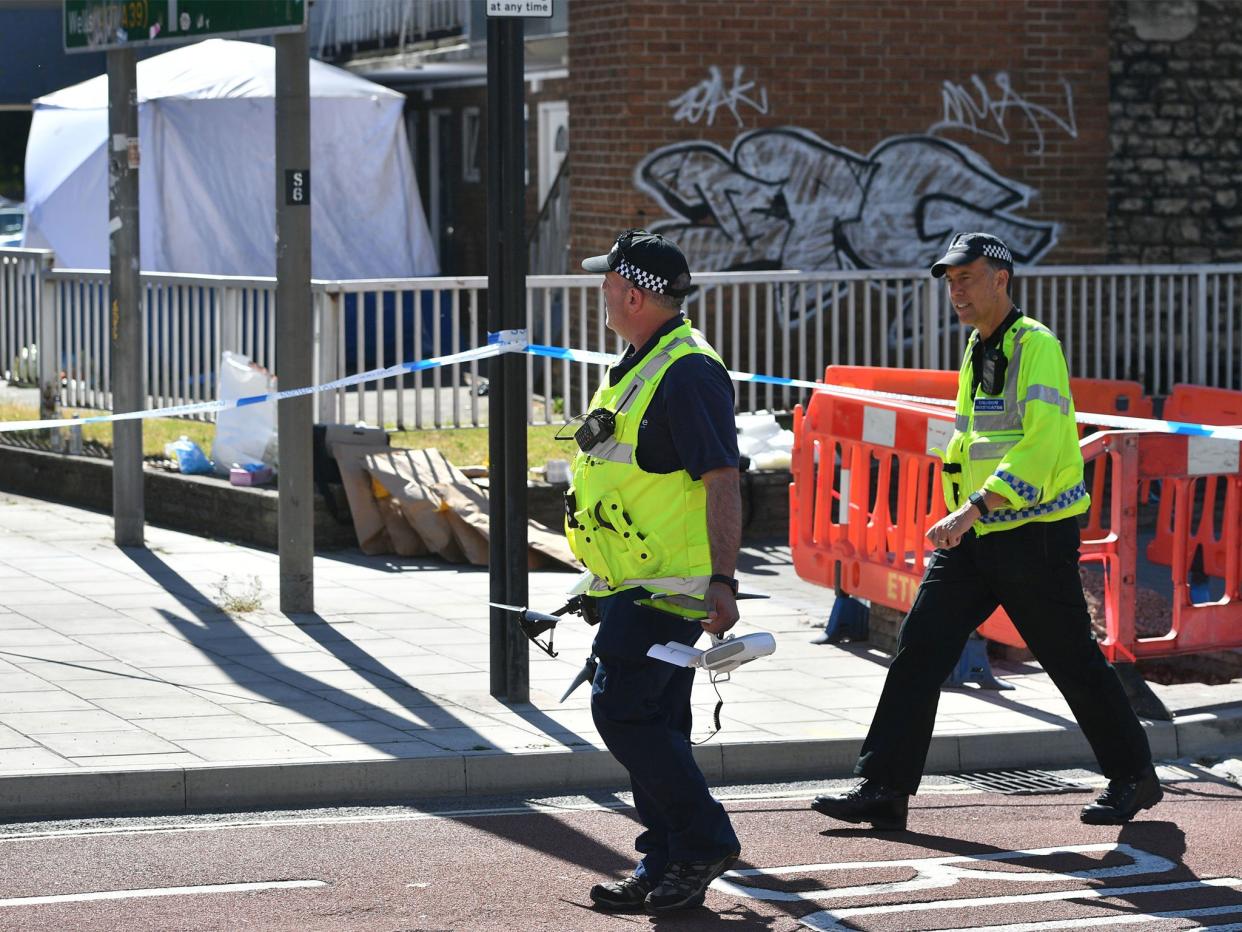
1021 443
631 527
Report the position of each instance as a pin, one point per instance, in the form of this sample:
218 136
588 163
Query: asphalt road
527 864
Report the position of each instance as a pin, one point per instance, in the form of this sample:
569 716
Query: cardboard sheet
415 502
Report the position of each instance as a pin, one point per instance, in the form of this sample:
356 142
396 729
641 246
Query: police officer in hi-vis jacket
1013 482
654 513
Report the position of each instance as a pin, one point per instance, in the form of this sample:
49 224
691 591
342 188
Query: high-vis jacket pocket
610 545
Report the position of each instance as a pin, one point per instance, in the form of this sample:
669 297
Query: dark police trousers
1032 571
641 707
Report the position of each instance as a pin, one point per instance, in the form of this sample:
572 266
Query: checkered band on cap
641 278
997 251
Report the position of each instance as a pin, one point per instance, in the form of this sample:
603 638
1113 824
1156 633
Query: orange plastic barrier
1132 458
1196 404
866 488
1098 396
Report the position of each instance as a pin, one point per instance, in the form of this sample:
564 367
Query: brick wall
1174 171
854 74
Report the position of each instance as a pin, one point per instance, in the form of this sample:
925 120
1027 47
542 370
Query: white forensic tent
207 187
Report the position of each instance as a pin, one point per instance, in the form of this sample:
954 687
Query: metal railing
549 242
342 27
1156 325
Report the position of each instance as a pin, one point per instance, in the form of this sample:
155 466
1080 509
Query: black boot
1123 799
882 806
621 896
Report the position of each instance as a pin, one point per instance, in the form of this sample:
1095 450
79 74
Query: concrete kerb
170 790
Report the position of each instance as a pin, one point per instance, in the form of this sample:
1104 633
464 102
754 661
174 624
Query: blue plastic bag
188 455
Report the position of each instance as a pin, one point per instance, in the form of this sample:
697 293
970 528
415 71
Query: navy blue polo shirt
696 394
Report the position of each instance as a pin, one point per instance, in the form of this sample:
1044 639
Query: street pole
294 331
125 317
506 303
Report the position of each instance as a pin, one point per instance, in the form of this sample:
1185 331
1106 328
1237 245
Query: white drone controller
723 655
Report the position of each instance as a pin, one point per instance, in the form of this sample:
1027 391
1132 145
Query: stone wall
1175 105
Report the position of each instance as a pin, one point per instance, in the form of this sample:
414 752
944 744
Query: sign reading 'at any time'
96 25
519 8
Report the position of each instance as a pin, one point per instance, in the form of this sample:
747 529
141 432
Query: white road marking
160 891
533 807
1124 919
938 873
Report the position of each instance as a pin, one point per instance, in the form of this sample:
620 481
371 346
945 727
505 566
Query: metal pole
125 321
513 310
509 657
294 335
498 590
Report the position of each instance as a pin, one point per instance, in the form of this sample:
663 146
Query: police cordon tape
514 341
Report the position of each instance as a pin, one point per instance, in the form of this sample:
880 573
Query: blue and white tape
515 341
501 345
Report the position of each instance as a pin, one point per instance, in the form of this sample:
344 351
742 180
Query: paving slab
126 685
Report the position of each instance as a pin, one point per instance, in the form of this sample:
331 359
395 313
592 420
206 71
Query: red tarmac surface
514 871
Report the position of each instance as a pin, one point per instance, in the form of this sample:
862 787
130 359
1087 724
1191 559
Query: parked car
12 219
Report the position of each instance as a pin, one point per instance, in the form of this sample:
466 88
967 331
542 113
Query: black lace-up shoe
882 806
621 896
685 884
1123 799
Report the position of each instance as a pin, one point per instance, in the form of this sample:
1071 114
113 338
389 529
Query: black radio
596 427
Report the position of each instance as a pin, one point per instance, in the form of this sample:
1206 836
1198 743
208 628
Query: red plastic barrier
1133 458
1197 404
1098 396
866 488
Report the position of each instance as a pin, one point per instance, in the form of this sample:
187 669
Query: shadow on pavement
210 626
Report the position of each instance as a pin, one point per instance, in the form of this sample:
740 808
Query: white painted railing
1157 325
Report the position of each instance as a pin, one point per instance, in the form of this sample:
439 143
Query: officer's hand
948 532
722 613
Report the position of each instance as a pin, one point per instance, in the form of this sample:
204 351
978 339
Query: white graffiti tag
1018 867
710 94
983 114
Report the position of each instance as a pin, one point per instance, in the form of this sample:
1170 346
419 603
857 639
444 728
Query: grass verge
465 446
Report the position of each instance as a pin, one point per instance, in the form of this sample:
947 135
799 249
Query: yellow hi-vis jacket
631 527
1022 443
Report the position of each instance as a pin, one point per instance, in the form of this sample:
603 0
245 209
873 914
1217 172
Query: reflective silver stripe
613 451
1060 503
1046 393
961 423
991 451
683 585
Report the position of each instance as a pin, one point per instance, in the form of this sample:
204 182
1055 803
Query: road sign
96 25
542 8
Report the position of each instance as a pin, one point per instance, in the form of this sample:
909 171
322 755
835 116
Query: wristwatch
977 499
727 580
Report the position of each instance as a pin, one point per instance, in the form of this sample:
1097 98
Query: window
470 144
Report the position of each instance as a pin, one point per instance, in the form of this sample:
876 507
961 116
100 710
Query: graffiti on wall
788 199
710 94
979 109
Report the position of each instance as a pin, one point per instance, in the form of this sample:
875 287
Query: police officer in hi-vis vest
654 512
1013 481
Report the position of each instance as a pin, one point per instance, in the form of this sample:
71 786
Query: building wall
464 197
835 133
1176 157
